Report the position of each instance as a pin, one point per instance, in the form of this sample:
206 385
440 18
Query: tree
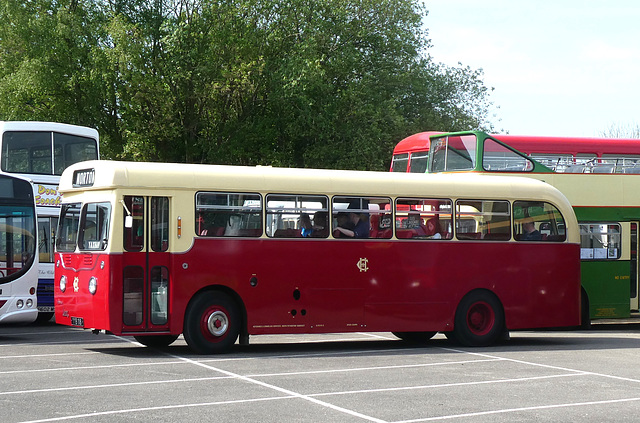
307 83
622 131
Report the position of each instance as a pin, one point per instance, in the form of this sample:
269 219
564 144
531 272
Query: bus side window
423 218
537 221
228 214
483 219
360 217
297 216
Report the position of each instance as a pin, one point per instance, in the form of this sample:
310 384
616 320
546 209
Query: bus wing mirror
128 222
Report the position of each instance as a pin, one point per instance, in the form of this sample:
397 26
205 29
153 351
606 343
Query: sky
558 67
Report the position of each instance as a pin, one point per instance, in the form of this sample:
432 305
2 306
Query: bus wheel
479 320
414 336
157 341
211 323
43 317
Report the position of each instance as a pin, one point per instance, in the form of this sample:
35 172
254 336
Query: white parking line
515 410
314 397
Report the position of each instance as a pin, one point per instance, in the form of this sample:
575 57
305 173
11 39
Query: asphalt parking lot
55 373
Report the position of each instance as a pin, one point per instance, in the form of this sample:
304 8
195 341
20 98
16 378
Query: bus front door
146 264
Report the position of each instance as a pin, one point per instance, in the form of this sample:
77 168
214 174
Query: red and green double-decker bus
601 186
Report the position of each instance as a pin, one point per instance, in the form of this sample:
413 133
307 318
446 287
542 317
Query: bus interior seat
575 169
603 169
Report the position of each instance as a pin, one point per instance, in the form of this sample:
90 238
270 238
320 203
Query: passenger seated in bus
306 228
433 228
320 225
341 221
358 226
530 232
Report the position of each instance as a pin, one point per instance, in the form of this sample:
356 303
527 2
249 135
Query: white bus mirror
128 222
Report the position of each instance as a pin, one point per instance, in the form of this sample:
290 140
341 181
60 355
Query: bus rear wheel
479 320
414 337
157 341
212 323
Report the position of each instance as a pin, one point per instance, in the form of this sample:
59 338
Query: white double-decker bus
40 151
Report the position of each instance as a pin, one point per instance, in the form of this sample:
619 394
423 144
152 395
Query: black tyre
157 341
479 320
212 323
44 317
416 337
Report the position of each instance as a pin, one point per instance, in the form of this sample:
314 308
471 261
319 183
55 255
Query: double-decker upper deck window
537 221
600 241
498 158
421 218
293 216
44 152
67 236
419 162
400 162
70 149
483 219
361 217
453 152
228 214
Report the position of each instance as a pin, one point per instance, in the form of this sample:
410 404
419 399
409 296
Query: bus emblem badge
76 284
362 264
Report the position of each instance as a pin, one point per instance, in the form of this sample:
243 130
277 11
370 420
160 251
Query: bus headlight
93 285
63 283
29 303
20 304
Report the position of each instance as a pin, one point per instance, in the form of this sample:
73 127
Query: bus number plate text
77 321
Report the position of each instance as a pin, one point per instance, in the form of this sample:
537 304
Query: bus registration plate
77 321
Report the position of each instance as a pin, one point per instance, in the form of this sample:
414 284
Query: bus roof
163 176
415 142
543 144
571 145
49 127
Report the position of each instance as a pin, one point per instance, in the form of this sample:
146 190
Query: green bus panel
608 286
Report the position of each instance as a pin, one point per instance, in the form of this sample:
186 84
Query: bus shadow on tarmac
609 336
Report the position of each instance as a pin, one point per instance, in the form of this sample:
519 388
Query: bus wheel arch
479 319
213 321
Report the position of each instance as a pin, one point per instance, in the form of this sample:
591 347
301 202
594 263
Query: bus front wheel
212 323
479 320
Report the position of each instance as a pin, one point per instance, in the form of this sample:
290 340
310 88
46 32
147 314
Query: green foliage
305 83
